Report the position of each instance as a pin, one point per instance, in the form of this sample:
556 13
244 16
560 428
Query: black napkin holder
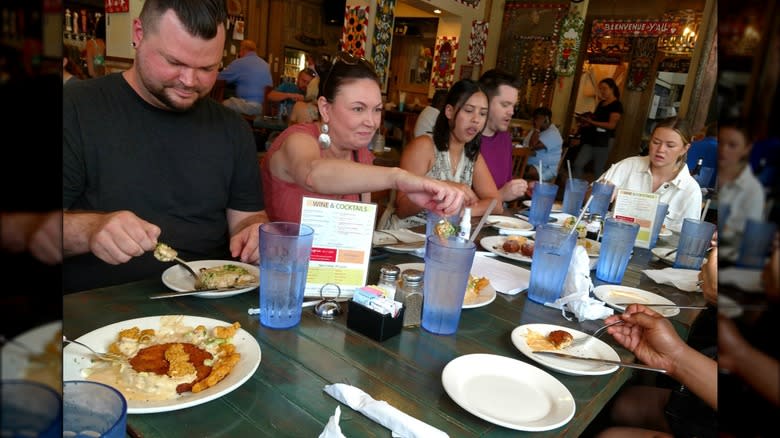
373 324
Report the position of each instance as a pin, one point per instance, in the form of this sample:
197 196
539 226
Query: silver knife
605 361
194 292
662 305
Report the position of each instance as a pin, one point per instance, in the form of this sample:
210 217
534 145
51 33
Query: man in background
250 74
546 142
288 93
502 92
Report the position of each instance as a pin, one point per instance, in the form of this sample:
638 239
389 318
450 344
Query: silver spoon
165 253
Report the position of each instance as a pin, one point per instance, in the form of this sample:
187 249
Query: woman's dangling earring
324 138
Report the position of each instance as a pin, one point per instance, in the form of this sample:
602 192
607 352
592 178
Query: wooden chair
270 109
519 161
558 178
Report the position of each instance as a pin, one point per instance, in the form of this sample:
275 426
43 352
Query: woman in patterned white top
452 155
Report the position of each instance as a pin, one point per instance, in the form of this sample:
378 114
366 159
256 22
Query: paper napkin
504 277
401 424
683 279
332 429
576 291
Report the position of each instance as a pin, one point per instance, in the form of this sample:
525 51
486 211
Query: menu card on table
639 207
342 244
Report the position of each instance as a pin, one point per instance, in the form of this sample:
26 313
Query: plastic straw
539 167
582 213
568 165
704 210
483 220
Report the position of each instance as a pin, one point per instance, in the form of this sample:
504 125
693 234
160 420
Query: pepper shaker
410 293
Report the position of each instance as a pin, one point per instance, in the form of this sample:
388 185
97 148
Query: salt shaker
388 279
410 294
593 229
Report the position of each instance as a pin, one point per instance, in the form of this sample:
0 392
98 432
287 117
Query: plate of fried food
548 337
213 274
479 291
36 355
518 248
175 361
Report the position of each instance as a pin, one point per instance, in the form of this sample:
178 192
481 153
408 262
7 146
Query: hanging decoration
353 39
444 62
643 52
383 38
238 29
116 6
569 44
529 48
478 42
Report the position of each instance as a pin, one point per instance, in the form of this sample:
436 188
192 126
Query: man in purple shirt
496 147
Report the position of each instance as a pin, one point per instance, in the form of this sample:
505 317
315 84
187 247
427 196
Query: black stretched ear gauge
328 308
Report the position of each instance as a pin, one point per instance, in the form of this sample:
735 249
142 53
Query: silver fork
111 357
584 340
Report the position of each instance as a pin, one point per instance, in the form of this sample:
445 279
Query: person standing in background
96 50
496 147
71 72
598 129
250 74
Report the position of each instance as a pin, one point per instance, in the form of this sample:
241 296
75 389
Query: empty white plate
614 295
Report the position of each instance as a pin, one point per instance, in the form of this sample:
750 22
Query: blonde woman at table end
147 154
331 159
663 171
452 155
647 411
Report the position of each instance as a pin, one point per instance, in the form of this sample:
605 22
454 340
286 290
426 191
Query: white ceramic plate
388 236
76 359
661 254
612 294
494 244
486 295
178 279
591 348
556 208
508 392
512 224
14 358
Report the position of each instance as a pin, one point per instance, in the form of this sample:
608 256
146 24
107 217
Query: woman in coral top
330 158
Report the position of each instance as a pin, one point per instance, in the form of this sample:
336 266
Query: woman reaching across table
330 158
452 155
663 171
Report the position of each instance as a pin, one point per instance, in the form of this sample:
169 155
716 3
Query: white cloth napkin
401 424
332 429
505 278
576 291
683 279
749 280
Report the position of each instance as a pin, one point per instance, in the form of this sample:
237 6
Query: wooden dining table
285 397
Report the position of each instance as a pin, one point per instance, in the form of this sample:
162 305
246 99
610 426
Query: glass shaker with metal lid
388 278
410 293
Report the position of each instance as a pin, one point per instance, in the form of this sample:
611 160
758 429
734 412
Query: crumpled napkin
401 424
575 297
332 429
683 279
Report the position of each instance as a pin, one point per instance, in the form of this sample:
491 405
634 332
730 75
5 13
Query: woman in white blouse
663 171
739 191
